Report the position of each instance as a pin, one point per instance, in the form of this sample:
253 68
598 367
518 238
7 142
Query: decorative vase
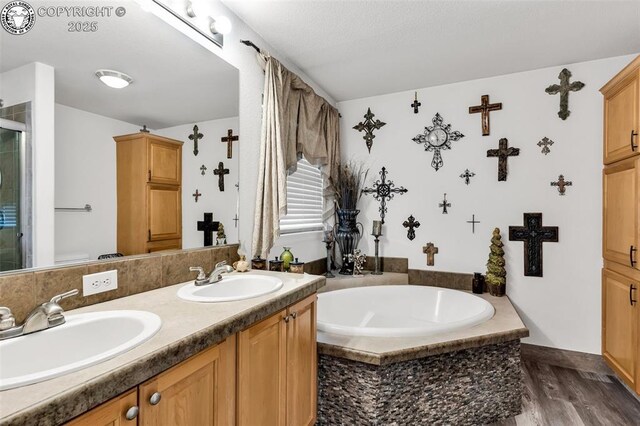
286 257
348 236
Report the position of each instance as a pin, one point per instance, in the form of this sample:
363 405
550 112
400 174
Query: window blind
304 200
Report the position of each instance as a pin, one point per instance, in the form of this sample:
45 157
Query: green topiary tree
496 274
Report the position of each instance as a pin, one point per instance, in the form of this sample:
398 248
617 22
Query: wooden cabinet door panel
262 373
165 212
165 162
621 118
302 366
110 413
620 212
620 325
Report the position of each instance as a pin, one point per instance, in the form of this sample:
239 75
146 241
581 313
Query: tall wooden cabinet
149 188
621 225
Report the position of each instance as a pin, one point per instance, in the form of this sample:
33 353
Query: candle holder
376 270
328 244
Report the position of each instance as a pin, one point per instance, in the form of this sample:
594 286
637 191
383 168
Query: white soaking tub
399 311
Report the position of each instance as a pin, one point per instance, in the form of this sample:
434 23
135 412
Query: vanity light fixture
222 25
114 79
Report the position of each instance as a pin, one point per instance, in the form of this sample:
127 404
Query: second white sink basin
82 341
231 288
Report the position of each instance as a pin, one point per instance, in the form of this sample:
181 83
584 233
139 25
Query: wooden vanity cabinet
112 413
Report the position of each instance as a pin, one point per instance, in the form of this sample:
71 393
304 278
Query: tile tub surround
23 291
187 328
454 280
348 281
467 387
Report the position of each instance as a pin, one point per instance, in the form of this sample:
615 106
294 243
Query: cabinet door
163 245
621 116
620 213
262 373
165 162
165 212
198 392
302 366
620 324
112 413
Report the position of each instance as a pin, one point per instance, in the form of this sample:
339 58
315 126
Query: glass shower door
11 253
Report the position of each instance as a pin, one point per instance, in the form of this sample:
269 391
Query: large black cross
195 137
564 88
533 234
411 224
503 153
208 226
220 172
383 191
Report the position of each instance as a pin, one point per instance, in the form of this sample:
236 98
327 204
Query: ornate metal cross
220 172
562 184
444 204
564 88
545 143
533 234
411 224
485 108
383 191
436 138
203 169
368 125
229 139
196 195
467 175
503 153
430 250
473 222
416 104
208 226
195 137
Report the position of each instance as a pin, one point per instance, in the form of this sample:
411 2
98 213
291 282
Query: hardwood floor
556 395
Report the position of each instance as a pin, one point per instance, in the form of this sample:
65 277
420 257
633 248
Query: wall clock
436 138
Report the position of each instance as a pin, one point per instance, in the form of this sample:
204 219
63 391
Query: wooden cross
416 104
533 234
208 226
562 184
444 204
229 139
220 172
564 88
411 224
503 153
196 195
545 143
430 250
383 191
485 108
195 137
473 222
368 125
203 169
467 175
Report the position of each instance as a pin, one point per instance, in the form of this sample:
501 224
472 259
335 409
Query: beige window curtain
295 121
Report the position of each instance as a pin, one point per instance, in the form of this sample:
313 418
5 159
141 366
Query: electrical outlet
99 282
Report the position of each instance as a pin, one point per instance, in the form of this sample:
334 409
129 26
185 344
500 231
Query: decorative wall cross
436 138
564 88
411 224
485 108
473 222
220 172
562 184
236 219
196 195
467 175
203 169
144 129
503 153
368 125
383 191
533 234
195 137
545 143
415 104
444 205
430 250
208 226
229 140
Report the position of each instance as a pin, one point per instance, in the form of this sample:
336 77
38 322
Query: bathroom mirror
63 180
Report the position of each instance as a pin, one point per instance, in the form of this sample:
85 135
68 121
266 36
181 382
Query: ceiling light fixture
114 79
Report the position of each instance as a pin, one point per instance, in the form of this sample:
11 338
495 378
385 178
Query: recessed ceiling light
114 79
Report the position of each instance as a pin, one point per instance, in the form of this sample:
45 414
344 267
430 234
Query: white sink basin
84 340
233 287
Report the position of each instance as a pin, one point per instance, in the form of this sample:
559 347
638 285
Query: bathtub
399 311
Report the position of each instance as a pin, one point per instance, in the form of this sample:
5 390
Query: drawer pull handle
632 250
155 398
132 413
632 301
286 319
633 145
294 315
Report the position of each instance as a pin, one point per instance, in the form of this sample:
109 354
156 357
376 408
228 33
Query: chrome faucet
215 275
47 315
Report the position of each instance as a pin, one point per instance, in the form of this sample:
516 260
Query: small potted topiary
496 274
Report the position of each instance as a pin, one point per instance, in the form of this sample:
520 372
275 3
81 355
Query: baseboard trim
582 361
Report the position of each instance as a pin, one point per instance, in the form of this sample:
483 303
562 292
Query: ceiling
355 49
176 81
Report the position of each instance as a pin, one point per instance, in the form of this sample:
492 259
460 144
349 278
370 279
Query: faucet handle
59 297
7 320
219 264
200 270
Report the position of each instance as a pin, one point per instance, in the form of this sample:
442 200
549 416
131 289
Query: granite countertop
187 328
505 325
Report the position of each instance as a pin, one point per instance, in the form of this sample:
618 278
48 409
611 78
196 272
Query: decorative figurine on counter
241 265
221 237
359 259
328 243
287 257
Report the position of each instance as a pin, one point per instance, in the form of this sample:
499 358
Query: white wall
562 309
223 205
85 158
